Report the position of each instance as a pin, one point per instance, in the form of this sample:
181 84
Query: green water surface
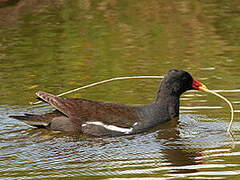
59 45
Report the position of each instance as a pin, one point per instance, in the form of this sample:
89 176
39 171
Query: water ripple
174 150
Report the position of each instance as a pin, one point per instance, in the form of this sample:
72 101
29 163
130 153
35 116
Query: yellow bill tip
199 86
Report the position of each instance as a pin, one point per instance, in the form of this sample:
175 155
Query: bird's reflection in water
179 157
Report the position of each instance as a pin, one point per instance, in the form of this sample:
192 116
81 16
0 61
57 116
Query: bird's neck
168 101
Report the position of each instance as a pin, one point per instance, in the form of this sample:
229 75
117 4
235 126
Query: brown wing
107 113
61 104
86 110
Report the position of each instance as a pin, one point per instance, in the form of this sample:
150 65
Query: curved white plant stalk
205 89
102 82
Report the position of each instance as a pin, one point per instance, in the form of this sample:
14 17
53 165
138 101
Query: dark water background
59 45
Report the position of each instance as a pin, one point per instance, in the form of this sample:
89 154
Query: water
61 45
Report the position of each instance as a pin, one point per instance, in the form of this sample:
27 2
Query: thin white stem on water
102 82
230 105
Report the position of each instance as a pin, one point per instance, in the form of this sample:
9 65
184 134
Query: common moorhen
109 119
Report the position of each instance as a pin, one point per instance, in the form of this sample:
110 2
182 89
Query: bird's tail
33 120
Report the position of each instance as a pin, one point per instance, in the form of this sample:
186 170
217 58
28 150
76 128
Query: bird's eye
184 78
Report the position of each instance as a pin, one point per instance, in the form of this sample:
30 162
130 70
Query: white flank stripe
110 127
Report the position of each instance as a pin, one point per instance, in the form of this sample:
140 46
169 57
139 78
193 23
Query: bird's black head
176 82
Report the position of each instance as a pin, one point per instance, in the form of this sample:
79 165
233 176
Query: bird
94 118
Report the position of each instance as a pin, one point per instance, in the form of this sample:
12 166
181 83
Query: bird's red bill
198 85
